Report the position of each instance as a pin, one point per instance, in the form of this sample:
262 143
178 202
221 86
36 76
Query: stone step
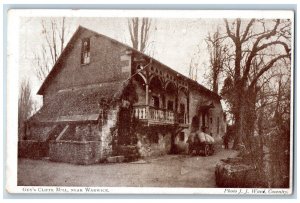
115 159
131 158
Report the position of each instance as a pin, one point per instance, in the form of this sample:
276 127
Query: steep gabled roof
69 46
60 58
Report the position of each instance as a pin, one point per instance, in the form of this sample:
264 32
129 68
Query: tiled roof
79 104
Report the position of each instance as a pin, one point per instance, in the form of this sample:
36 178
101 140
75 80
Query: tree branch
247 30
255 49
228 31
267 67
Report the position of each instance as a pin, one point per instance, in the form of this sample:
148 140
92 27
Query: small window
85 51
155 102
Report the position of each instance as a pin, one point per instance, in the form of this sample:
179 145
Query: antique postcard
150 102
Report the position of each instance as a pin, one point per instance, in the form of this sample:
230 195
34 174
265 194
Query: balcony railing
154 115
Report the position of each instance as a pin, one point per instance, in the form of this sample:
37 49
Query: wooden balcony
153 115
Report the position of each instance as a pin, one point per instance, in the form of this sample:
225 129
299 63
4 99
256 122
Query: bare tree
54 33
217 57
258 46
139 29
193 69
25 105
196 63
273 109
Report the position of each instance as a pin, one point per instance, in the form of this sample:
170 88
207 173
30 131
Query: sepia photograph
149 101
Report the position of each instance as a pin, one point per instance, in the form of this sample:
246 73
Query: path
165 171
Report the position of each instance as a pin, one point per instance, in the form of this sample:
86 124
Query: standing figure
226 140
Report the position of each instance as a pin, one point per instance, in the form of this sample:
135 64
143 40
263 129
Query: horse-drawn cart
201 143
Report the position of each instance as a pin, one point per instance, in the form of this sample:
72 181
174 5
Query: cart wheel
211 150
206 150
198 151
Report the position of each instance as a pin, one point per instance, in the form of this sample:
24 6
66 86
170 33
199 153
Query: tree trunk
245 116
215 84
238 114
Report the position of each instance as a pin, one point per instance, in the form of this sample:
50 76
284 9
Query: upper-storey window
85 51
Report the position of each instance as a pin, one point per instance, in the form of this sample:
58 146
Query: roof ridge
156 60
125 45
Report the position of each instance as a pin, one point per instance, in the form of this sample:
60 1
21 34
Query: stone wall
217 124
181 145
211 119
108 132
237 173
81 143
32 149
130 152
86 143
34 144
75 152
153 142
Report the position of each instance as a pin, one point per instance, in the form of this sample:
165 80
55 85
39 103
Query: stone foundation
180 142
153 142
32 149
75 152
234 173
130 152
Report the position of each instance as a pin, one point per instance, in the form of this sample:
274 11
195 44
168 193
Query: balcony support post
147 94
147 101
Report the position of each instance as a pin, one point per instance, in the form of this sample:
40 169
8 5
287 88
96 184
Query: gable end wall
109 63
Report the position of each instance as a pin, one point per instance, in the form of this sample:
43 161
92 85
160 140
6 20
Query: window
170 106
155 101
85 51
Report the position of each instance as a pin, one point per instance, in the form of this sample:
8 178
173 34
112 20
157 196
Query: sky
173 41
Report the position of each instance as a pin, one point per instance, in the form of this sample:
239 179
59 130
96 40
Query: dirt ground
165 171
